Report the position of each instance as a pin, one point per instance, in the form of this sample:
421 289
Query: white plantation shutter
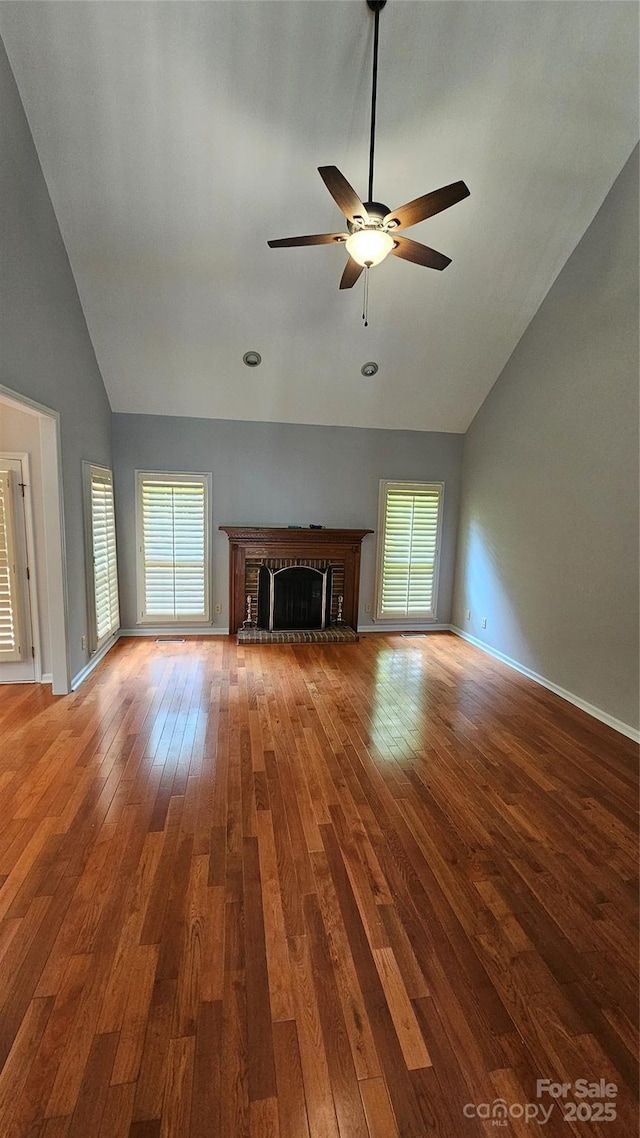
10 647
173 547
103 567
410 521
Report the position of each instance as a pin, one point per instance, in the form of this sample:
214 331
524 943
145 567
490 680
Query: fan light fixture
372 229
369 246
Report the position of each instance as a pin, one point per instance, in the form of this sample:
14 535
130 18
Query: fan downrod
376 5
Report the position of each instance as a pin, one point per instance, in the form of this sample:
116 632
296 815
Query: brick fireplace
333 553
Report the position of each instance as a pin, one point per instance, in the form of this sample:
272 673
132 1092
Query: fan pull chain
365 307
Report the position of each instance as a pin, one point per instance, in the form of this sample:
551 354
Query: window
173 547
102 567
10 647
409 527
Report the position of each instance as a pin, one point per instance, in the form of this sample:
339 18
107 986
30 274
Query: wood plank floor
312 892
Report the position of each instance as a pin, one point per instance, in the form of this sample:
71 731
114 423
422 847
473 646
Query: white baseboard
45 678
209 631
185 630
596 712
94 661
431 627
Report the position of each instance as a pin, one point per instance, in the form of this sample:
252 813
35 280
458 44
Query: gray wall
280 474
548 541
45 349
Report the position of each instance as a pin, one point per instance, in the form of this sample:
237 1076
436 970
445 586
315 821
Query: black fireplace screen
297 597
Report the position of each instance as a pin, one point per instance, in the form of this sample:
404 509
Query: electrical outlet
367 608
484 622
217 609
83 642
468 614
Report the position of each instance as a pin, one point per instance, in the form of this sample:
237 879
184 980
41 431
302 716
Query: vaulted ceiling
176 138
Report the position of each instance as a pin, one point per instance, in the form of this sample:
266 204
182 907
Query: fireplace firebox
294 597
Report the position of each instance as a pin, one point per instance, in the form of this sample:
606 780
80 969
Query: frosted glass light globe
369 246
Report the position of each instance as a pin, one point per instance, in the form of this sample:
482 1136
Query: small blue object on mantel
294 527
315 527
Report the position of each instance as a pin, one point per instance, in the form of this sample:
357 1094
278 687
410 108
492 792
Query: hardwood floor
312 892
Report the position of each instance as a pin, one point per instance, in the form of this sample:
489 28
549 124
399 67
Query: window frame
172 477
95 643
390 484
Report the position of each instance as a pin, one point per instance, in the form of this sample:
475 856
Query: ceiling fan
372 228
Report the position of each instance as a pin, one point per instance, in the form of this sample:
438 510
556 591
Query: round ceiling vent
369 369
252 359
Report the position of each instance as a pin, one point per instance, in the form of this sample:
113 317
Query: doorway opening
30 435
20 656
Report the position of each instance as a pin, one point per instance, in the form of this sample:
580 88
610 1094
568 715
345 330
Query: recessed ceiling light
252 359
369 369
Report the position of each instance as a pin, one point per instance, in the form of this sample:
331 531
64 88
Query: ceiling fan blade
343 193
351 273
310 239
421 254
427 205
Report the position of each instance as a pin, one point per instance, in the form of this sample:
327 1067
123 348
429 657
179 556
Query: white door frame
23 458
54 551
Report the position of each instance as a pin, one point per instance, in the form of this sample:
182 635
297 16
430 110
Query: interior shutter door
105 566
10 632
174 540
410 550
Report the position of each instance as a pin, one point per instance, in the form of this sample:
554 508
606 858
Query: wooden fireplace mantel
251 542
